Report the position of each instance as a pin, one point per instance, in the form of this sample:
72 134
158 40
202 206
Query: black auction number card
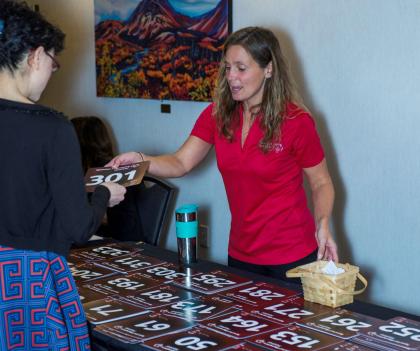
125 175
340 323
294 338
143 327
196 338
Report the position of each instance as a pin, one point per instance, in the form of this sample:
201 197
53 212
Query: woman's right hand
189 155
124 159
117 193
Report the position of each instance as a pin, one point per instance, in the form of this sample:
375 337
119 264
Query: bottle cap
186 221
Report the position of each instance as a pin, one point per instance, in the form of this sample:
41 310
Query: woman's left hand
327 248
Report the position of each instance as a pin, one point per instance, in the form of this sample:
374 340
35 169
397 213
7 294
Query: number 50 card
125 175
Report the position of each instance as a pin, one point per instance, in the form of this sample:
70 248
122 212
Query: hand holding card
125 175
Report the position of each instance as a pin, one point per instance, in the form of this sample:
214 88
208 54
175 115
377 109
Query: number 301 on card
125 175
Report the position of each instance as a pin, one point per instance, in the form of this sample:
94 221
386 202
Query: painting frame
159 50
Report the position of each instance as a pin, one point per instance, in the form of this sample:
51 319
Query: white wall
357 63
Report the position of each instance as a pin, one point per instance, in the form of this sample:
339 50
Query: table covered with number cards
136 297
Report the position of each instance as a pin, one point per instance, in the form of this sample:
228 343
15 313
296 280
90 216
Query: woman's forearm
189 155
166 166
323 201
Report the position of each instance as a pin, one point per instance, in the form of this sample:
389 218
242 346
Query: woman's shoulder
51 114
35 112
53 123
27 108
297 118
208 112
295 112
34 118
209 109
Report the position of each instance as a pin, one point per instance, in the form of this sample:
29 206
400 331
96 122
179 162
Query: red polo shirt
271 223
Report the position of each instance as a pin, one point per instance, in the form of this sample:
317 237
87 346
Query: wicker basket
329 290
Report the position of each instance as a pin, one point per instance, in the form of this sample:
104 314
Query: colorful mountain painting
159 50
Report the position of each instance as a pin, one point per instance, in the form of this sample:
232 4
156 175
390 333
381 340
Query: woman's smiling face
245 77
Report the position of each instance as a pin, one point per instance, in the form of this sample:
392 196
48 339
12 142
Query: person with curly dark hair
43 207
265 142
123 221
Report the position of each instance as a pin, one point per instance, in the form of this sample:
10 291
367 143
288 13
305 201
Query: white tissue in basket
331 269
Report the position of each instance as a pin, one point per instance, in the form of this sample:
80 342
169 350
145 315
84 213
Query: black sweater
43 204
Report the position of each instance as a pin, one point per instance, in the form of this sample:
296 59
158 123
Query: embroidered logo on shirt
275 147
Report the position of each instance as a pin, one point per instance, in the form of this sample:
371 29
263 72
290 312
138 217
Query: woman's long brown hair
279 89
95 141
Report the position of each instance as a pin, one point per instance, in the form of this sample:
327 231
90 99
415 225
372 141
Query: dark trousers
274 271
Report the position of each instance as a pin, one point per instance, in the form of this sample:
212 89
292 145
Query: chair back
153 203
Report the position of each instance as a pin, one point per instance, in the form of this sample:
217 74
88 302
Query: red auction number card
245 347
212 282
340 323
85 272
132 262
398 333
146 326
103 252
292 310
240 325
87 295
110 309
196 338
167 272
159 296
201 308
122 284
125 175
347 346
294 338
260 294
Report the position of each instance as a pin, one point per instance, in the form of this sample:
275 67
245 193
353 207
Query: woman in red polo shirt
265 141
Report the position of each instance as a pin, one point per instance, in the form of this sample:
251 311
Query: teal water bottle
186 232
